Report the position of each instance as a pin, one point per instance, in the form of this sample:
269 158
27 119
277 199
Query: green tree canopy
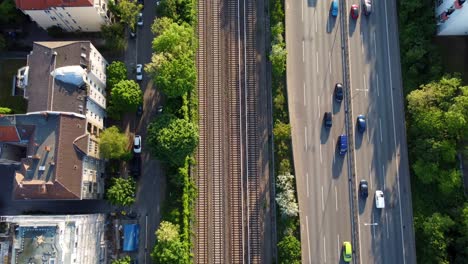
160 25
116 72
128 11
172 139
114 36
178 10
125 97
121 191
124 260
434 237
173 38
9 13
278 58
175 76
289 250
113 144
169 249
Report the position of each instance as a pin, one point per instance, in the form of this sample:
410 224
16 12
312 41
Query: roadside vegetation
124 260
121 191
437 126
289 246
173 135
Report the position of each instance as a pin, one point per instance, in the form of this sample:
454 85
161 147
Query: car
347 251
132 33
160 109
379 199
367 7
339 92
327 119
139 110
140 19
139 72
363 189
354 11
342 144
334 8
135 166
361 123
137 144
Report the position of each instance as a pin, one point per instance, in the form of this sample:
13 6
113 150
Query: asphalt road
315 64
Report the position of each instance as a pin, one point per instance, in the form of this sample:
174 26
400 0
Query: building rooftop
45 4
44 174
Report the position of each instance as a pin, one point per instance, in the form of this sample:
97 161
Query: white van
379 199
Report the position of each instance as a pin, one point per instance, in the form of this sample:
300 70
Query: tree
289 250
116 72
282 131
160 25
124 260
169 249
175 76
126 96
114 36
172 139
5 110
173 38
113 144
9 13
286 196
278 58
433 232
121 191
128 11
178 10
3 43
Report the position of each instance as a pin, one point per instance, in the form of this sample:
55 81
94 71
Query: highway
324 179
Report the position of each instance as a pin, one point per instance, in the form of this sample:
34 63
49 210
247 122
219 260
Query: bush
5 110
289 250
122 191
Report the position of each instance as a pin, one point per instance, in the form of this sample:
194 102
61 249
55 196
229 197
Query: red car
355 11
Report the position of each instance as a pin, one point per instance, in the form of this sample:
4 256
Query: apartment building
53 239
56 144
452 17
70 15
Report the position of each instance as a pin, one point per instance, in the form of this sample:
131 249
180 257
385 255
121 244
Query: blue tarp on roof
131 237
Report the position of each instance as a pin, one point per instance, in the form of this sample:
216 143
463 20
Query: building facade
58 239
70 15
56 144
452 17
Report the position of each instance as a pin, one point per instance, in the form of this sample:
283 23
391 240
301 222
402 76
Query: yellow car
347 251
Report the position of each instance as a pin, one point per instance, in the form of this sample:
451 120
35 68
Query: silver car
367 7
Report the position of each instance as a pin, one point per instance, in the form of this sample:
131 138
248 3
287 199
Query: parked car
347 251
140 19
327 119
342 144
367 7
139 110
137 144
334 8
363 189
361 123
132 33
354 11
379 199
135 166
139 72
339 92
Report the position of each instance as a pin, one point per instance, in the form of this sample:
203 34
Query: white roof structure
70 74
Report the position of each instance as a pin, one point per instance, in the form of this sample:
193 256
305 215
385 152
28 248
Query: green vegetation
125 97
127 11
121 191
124 260
8 69
115 72
113 144
5 110
114 36
173 136
437 117
289 247
9 14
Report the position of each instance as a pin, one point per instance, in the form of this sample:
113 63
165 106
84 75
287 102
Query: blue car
334 8
361 123
343 144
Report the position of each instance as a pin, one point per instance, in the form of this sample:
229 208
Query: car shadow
362 202
336 106
352 24
331 22
358 136
324 133
338 161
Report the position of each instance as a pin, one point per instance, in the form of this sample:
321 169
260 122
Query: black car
135 166
339 92
363 189
327 119
139 110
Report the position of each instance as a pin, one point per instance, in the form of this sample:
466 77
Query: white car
379 199
139 72
137 144
140 19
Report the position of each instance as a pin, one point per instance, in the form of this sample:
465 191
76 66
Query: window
79 27
74 21
53 18
66 21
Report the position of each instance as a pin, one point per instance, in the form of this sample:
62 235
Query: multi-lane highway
327 183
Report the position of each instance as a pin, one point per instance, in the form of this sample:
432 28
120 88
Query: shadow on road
312 3
331 22
338 162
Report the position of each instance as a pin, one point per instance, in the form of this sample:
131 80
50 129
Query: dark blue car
334 8
361 123
343 144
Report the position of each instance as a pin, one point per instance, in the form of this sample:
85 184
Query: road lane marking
302 11
324 250
329 62
362 44
308 239
316 55
380 128
316 26
303 51
305 137
307 183
305 103
383 176
336 200
373 226
377 77
338 244
365 84
320 153
370 177
394 137
318 105
368 136
375 44
323 206
386 223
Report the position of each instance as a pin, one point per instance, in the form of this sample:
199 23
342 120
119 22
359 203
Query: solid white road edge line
308 239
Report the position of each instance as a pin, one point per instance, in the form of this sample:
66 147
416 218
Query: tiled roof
8 134
45 4
46 93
